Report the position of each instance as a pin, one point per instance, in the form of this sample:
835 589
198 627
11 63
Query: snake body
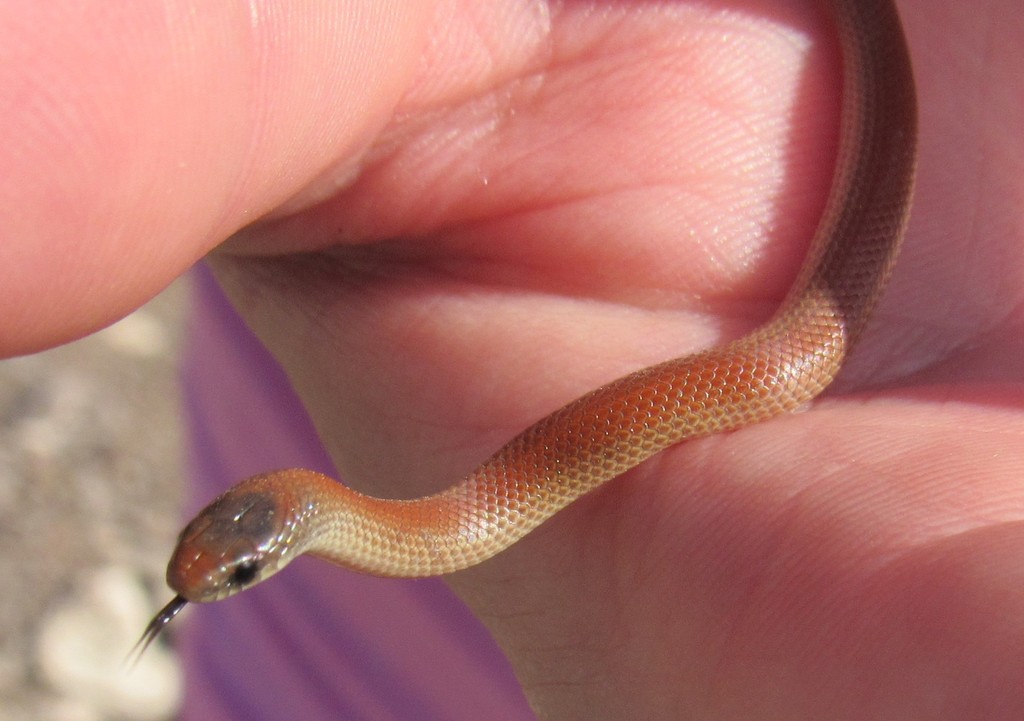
264 522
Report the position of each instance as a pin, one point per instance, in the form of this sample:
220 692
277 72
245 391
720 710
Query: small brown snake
263 523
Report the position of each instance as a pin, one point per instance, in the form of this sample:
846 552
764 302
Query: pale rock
83 647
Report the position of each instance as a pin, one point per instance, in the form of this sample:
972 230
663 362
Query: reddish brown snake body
263 523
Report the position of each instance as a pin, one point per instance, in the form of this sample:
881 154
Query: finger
138 135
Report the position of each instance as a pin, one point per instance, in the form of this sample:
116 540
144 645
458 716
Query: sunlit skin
839 563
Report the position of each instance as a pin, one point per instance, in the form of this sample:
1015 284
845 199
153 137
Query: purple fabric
317 642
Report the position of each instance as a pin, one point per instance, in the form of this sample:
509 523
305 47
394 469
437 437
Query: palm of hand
527 243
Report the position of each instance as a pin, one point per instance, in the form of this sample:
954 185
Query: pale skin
515 205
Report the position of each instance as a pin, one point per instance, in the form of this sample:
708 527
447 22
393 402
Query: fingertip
139 136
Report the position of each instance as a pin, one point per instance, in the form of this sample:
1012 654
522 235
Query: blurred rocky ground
90 467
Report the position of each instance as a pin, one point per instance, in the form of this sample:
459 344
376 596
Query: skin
625 186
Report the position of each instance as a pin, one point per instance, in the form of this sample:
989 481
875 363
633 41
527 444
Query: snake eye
244 573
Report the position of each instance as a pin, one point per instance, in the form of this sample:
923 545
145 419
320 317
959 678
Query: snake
261 524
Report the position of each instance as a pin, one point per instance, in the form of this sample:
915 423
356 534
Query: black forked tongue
154 628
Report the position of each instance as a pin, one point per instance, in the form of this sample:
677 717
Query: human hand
606 191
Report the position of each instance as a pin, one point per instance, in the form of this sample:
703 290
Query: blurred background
91 468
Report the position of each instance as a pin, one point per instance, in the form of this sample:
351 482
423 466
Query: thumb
139 135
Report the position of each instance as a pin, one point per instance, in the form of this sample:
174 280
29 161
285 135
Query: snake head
243 537
235 542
